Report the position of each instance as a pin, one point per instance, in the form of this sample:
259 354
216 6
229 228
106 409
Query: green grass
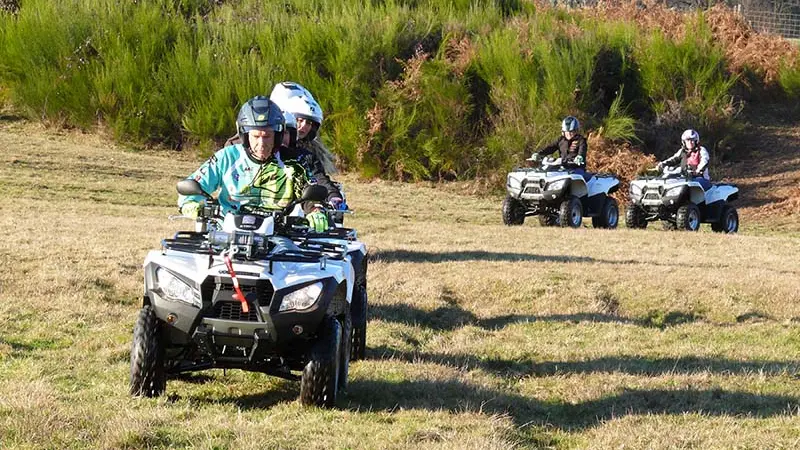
480 335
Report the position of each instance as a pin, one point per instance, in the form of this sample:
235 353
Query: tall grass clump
47 62
687 82
789 79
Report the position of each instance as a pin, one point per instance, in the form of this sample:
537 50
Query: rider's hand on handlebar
317 221
660 166
337 203
191 209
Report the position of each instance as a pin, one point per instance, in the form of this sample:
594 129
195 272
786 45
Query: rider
260 171
692 157
570 145
296 99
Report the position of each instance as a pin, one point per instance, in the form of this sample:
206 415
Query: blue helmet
260 113
570 124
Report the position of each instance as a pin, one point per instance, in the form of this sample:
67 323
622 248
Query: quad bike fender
602 185
577 186
696 193
721 192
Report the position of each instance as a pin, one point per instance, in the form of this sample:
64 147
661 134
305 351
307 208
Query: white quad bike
560 197
681 203
242 293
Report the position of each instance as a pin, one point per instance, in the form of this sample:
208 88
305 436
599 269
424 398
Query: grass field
480 336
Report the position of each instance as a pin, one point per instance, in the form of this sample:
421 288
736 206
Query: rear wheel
570 214
728 221
634 217
344 355
609 215
148 377
358 346
688 217
320 381
513 211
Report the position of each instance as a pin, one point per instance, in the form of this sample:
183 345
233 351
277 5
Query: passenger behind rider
692 158
571 147
258 172
294 98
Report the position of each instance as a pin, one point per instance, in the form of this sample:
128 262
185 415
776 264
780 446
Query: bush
412 89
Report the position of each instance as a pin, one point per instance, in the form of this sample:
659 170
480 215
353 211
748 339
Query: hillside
480 336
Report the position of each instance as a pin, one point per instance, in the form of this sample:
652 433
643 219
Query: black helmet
259 113
570 124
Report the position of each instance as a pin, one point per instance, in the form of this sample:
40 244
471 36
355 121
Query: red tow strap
238 295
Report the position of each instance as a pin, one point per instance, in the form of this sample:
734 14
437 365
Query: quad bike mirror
190 187
313 193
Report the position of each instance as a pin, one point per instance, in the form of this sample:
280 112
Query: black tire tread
148 376
513 213
318 385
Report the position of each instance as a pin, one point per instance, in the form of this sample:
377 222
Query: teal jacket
241 180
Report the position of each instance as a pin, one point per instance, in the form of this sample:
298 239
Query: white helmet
288 89
305 108
294 98
690 135
291 128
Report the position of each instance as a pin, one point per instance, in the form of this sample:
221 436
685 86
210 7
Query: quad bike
560 197
242 293
675 198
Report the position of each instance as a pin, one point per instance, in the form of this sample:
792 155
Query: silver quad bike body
681 203
243 293
560 197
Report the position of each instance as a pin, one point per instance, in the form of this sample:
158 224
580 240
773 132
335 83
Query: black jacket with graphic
568 150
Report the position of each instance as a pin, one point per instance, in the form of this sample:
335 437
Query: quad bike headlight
302 298
674 192
636 191
173 288
556 185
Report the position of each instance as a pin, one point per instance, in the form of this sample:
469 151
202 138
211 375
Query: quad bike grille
532 190
227 310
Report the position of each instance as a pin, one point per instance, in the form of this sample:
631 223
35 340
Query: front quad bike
681 203
244 295
560 197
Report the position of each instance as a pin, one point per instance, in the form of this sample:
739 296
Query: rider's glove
336 202
536 157
579 160
660 166
317 221
191 209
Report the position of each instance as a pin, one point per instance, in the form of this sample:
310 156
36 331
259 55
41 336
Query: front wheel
513 211
688 217
634 217
570 214
728 221
320 381
148 376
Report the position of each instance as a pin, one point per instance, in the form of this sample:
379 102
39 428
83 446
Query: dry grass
481 336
